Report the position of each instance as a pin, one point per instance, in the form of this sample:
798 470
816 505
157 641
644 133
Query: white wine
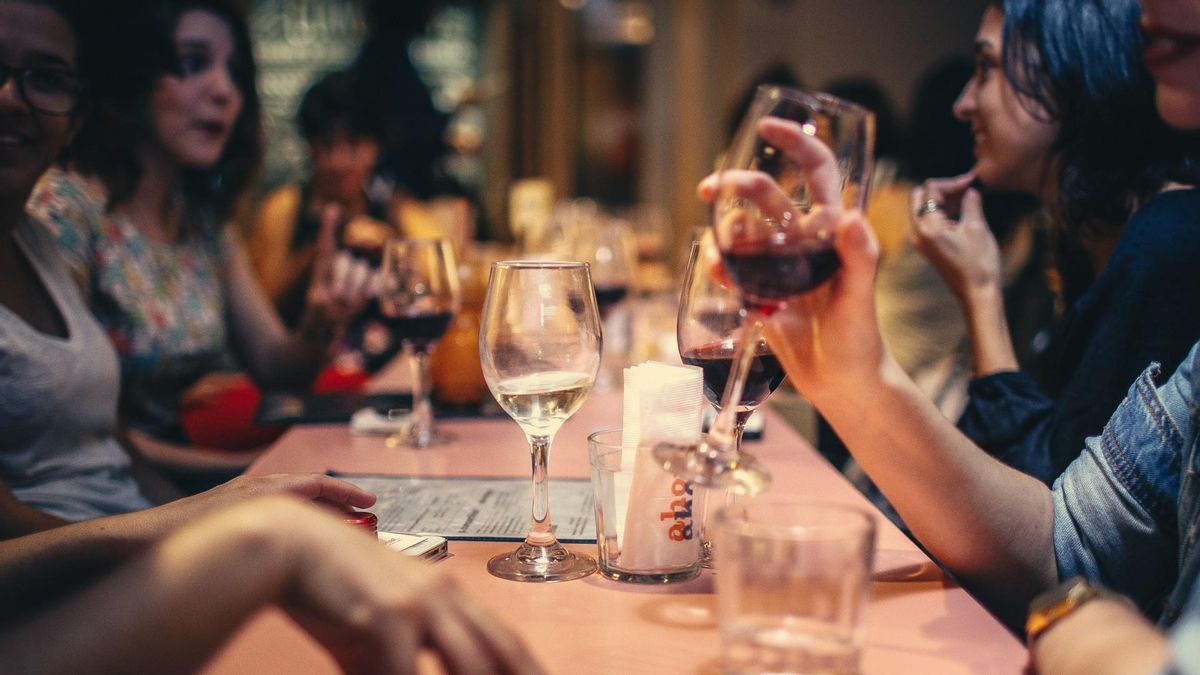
541 402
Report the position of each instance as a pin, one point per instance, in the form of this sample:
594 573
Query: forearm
133 618
988 523
39 567
987 324
271 354
1103 637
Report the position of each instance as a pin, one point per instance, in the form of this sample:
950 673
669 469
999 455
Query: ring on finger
927 207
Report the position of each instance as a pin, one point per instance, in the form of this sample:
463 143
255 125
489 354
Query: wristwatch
1057 603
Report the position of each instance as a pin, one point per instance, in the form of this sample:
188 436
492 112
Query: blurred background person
140 212
414 133
342 130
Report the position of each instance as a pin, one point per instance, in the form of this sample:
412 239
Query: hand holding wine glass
418 297
539 345
798 162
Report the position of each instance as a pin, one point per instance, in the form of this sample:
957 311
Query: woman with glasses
141 212
59 460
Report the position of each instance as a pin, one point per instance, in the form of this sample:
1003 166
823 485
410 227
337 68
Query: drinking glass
418 298
539 345
775 211
793 585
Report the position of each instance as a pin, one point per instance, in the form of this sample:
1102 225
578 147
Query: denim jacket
1127 511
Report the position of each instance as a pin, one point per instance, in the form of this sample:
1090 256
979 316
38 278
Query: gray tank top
58 403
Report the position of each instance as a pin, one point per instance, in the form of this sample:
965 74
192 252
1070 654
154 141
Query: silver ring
928 207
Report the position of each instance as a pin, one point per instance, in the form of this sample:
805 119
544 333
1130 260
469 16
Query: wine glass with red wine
797 162
709 332
418 298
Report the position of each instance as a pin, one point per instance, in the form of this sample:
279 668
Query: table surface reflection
917 621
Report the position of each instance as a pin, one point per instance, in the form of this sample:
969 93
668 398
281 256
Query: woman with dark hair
140 212
1062 108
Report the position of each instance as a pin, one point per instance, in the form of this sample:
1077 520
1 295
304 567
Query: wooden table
919 623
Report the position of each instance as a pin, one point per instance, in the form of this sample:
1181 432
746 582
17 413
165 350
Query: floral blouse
162 304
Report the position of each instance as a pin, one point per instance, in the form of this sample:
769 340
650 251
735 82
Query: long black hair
1078 63
120 122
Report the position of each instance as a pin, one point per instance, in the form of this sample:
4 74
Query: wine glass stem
422 408
725 434
541 533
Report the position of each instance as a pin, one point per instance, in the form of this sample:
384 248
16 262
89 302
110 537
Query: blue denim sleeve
1115 507
1007 414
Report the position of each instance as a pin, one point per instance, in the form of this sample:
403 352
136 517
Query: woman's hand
341 283
316 487
375 610
955 237
828 337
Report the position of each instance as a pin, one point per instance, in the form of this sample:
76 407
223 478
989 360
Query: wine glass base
541 564
409 439
739 472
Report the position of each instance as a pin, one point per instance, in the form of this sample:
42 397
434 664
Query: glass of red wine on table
609 247
418 298
798 161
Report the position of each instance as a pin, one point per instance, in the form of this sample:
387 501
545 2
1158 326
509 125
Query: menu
480 509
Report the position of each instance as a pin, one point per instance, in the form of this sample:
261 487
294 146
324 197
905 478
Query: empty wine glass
418 298
539 345
799 159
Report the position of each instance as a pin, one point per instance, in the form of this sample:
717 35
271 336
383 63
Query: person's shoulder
64 198
279 208
1165 233
1175 211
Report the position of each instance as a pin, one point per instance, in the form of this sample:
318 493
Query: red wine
420 330
608 296
769 278
765 375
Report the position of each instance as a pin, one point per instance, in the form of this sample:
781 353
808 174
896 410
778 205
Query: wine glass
798 160
709 332
539 345
418 298
610 249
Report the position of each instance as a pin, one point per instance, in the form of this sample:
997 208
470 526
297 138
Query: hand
823 336
955 238
319 488
375 610
341 284
737 229
829 337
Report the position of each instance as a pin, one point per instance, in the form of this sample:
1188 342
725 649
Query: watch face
1057 603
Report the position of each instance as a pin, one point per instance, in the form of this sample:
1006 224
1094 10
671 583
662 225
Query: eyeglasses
47 90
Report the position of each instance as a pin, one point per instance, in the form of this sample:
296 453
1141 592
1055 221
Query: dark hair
868 93
777 73
938 143
1078 63
338 101
108 143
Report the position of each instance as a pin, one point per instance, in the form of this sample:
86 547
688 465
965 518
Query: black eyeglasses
50 91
